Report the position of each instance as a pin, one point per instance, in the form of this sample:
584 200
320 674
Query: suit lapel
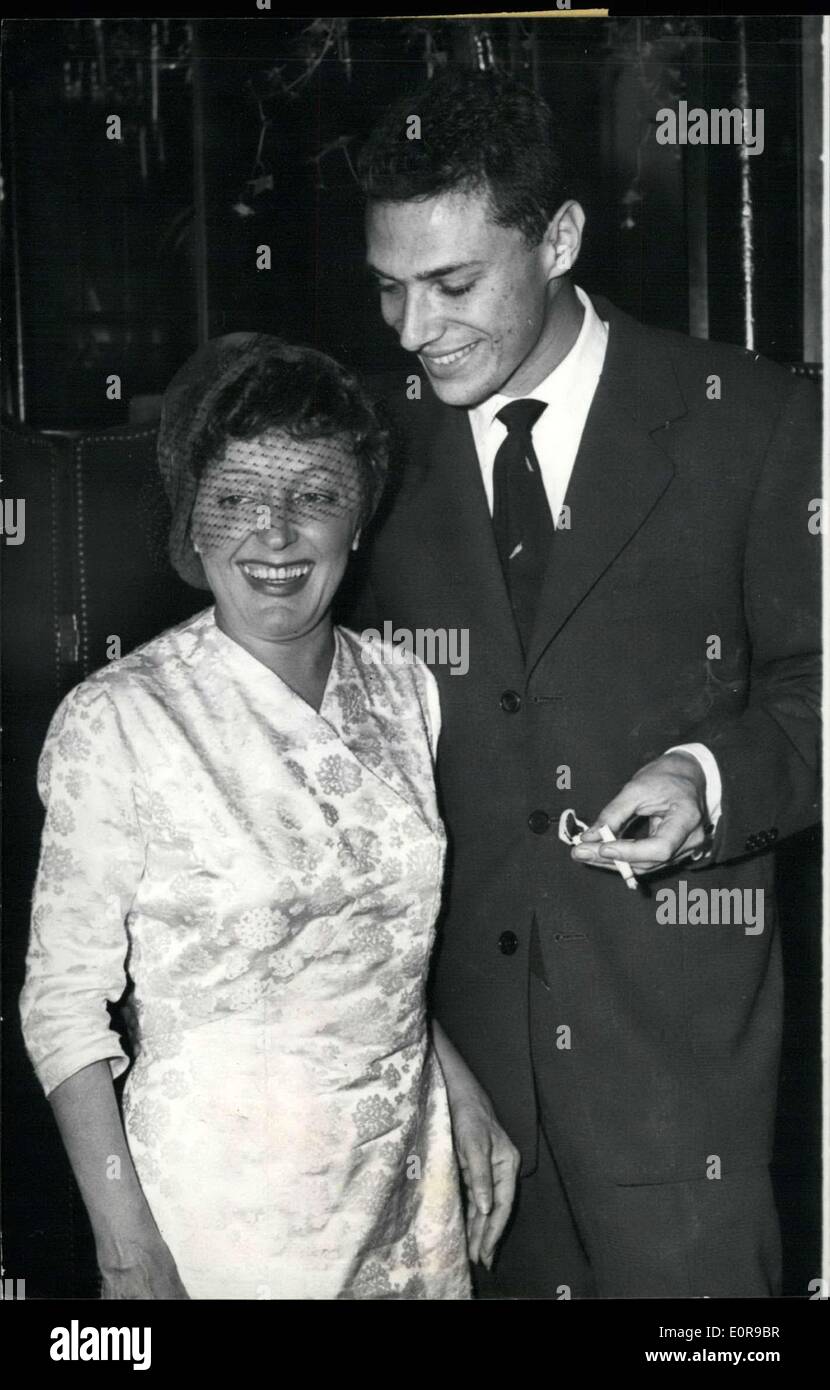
449 515
621 471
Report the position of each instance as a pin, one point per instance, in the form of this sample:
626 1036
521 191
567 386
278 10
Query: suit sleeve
769 756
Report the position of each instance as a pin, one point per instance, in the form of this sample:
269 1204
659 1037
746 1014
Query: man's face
471 298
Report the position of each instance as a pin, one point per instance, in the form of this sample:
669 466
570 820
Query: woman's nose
276 526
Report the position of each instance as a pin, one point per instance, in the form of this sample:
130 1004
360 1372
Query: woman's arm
91 861
132 1255
489 1162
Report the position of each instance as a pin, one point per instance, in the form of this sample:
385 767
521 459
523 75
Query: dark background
109 252
120 257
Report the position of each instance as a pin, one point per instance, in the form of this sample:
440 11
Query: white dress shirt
568 393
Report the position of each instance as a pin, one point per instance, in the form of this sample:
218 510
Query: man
622 520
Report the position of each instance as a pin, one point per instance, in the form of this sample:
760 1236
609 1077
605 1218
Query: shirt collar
583 364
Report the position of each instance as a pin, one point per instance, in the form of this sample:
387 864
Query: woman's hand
488 1160
139 1270
489 1165
132 1254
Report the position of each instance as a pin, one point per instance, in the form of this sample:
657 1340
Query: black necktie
522 521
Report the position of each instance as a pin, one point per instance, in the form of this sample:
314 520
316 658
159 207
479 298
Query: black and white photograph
412 604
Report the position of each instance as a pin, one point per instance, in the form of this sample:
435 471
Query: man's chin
464 394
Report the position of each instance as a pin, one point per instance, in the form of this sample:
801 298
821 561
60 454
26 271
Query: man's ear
563 238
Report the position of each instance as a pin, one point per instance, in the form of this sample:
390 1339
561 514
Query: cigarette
619 864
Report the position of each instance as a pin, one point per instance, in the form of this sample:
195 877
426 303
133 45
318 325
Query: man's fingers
657 849
657 790
590 854
618 812
671 837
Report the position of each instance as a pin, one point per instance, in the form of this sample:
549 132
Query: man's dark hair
478 131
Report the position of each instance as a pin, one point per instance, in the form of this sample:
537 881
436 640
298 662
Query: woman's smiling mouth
276 579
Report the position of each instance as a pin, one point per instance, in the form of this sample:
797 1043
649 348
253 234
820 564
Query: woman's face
274 520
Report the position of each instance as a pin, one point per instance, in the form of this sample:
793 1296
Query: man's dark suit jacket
689 520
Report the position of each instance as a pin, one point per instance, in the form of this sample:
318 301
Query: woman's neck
303 662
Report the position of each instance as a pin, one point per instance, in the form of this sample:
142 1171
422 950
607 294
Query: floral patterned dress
270 876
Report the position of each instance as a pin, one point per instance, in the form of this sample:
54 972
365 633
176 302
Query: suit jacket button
510 701
508 943
773 834
538 822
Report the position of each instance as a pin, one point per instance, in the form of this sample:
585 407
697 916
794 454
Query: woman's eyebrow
235 471
325 472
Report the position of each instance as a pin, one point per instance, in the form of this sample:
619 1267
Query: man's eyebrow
439 274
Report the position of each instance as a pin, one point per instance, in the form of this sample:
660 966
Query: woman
243 811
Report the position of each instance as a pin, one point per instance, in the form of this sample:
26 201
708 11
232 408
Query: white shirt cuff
711 771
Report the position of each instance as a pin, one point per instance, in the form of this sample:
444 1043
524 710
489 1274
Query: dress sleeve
91 860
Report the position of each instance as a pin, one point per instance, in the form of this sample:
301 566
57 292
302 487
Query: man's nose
416 326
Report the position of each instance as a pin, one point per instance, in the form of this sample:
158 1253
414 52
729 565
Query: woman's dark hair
304 393
478 131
